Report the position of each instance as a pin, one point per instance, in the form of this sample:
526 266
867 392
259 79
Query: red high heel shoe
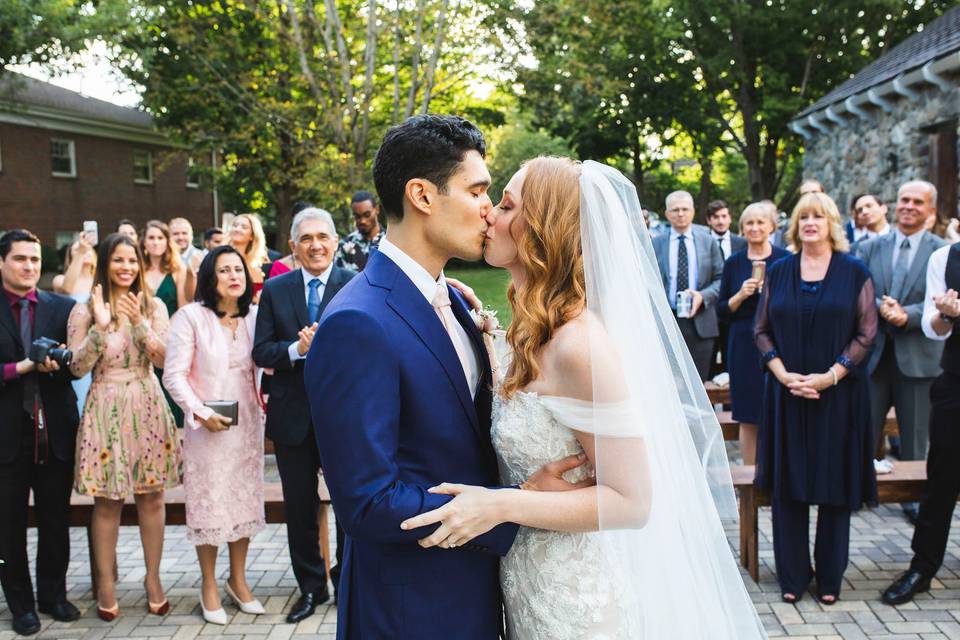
161 609
108 615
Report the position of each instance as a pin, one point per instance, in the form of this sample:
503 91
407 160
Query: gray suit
699 332
904 362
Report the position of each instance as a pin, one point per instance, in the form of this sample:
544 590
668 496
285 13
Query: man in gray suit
690 260
904 362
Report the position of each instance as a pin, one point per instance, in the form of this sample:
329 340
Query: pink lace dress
128 442
223 472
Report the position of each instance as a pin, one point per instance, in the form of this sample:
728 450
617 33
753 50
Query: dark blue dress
817 451
743 359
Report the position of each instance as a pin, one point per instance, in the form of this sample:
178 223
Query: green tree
41 30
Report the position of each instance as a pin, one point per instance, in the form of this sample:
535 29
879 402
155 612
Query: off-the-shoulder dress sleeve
607 419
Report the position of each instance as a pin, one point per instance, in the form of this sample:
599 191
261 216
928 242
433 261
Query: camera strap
41 441
31 389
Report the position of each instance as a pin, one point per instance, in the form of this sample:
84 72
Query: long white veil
655 428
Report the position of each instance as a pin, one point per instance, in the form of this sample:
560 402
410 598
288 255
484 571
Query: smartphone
91 232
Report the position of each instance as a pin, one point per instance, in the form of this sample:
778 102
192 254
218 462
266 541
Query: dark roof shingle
939 38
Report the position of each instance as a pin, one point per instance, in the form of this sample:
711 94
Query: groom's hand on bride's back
549 477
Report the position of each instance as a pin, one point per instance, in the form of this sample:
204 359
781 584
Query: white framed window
193 174
142 167
63 158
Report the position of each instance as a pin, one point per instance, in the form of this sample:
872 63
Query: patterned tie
900 270
683 268
313 300
30 387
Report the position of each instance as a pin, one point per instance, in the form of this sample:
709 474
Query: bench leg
749 533
324 522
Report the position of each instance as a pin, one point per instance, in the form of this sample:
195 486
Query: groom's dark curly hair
428 146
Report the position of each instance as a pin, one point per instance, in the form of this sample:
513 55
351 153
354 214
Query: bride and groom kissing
577 493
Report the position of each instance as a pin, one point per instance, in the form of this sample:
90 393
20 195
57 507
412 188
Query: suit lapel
662 248
7 321
407 301
298 299
462 314
883 271
43 315
331 288
702 245
919 264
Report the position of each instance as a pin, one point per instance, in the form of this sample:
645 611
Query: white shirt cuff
293 353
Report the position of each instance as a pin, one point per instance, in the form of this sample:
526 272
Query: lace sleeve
762 331
84 339
859 347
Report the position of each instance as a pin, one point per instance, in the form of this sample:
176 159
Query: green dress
167 293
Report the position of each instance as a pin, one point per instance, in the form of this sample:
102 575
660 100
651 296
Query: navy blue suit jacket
393 417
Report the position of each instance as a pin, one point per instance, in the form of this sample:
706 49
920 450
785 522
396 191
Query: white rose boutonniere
486 320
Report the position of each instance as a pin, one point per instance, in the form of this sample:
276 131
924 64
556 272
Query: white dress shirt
915 239
860 233
936 286
723 239
691 262
292 350
427 286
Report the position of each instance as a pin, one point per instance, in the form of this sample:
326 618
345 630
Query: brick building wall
103 189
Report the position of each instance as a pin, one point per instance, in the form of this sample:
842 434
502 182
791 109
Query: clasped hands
891 311
948 304
807 386
476 510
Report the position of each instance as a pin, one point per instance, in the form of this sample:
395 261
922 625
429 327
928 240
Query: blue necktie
313 300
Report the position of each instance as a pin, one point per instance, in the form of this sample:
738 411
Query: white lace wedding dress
556 586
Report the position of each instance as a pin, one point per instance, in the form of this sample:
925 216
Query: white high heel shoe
217 616
253 607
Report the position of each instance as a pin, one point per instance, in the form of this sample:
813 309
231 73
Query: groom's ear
421 195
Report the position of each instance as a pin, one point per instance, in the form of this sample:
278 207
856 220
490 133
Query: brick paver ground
880 550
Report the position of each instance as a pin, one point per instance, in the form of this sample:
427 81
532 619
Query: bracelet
949 319
833 372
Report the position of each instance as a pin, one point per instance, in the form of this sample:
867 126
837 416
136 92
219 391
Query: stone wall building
66 158
897 119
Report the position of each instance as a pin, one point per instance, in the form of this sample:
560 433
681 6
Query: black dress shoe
61 611
906 586
26 624
306 606
912 514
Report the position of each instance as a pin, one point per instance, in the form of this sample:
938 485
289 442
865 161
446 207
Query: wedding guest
181 233
739 295
718 219
76 281
290 262
940 322
814 328
208 358
246 236
810 185
870 217
128 443
690 263
212 238
904 362
355 249
129 229
37 440
286 321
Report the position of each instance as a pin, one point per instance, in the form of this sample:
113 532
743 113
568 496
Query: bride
598 368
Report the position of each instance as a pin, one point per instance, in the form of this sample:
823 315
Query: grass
490 286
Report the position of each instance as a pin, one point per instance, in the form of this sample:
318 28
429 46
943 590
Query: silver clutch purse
226 408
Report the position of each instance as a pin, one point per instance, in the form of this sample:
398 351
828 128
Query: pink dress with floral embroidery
128 442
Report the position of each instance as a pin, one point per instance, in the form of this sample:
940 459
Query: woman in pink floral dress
128 444
209 358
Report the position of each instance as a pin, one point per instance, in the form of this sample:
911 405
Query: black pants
700 348
791 546
943 476
298 466
51 483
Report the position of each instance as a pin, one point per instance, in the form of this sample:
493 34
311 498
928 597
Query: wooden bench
717 394
905 484
731 428
81 514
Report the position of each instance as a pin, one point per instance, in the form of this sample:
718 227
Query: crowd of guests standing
827 325
160 333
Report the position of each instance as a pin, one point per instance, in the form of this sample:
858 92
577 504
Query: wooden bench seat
905 484
81 513
731 428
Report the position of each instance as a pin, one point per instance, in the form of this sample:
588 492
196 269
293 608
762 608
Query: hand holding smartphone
91 232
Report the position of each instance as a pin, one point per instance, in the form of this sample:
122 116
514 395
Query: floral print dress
128 442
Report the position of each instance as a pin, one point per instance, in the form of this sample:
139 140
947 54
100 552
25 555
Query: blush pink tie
441 304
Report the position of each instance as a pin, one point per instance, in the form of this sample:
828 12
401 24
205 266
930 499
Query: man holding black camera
38 436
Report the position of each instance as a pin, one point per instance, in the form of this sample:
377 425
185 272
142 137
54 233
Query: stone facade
878 154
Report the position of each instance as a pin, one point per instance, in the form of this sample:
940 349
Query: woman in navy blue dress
814 328
739 295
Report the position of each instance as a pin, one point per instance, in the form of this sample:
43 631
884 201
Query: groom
429 419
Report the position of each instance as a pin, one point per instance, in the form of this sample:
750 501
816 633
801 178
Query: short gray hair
311 213
674 195
929 186
763 209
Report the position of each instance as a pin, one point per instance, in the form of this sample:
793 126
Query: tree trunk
706 184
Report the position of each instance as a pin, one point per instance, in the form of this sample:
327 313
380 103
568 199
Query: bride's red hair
547 233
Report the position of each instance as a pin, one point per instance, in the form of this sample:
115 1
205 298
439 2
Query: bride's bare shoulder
578 349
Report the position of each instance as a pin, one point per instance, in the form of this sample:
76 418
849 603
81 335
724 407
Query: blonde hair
763 209
255 253
548 242
823 204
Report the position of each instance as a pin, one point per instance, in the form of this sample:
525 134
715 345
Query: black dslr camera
43 348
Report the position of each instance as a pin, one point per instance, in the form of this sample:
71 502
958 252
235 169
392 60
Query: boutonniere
486 320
